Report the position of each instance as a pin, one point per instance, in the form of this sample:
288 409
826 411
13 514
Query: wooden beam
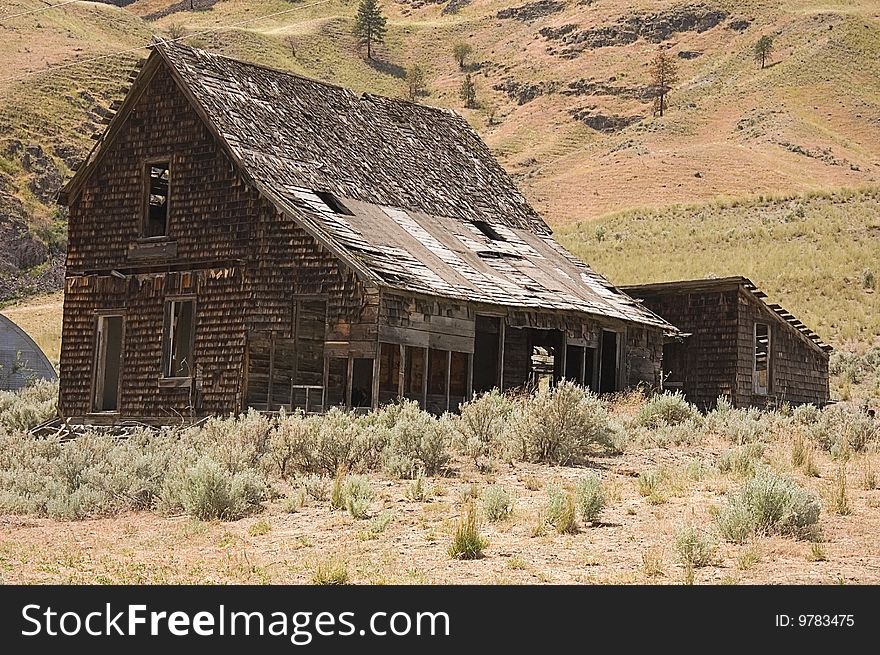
377 363
448 375
401 376
501 335
425 354
271 370
469 387
348 375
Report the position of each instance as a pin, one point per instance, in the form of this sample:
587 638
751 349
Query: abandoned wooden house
244 237
756 354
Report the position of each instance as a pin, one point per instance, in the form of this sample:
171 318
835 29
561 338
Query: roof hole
488 231
334 203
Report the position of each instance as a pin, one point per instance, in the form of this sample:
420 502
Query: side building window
762 359
158 195
178 338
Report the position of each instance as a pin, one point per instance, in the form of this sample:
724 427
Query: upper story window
762 359
158 181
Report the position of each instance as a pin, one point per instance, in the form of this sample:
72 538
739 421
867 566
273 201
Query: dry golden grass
633 544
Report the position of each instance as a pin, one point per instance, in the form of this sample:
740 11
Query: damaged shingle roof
416 180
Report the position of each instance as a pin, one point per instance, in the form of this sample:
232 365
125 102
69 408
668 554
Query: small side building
738 345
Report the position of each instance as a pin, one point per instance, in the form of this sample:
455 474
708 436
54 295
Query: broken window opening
108 363
179 339
389 372
608 362
762 358
488 231
414 378
334 203
362 382
574 364
337 372
156 224
458 377
487 341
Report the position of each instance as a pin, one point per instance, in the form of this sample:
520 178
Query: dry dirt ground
633 544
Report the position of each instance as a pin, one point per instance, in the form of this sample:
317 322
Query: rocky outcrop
688 54
600 122
453 7
590 87
524 92
532 11
655 27
181 6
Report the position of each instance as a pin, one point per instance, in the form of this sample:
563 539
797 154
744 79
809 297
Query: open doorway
486 347
609 362
108 363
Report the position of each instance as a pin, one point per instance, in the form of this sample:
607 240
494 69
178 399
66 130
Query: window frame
167 345
758 391
97 356
146 173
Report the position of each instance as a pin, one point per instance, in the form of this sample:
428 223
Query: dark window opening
590 368
488 231
608 363
334 203
438 361
108 364
362 383
337 372
762 358
486 347
458 374
389 370
157 200
178 339
574 364
415 373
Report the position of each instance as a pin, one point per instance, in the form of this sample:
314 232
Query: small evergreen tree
461 51
763 49
369 25
468 92
415 82
664 74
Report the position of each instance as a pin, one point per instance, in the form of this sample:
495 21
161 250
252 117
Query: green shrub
497 503
590 497
559 425
316 486
416 441
695 548
481 425
649 482
560 511
741 460
667 409
293 444
347 442
209 491
330 572
845 426
418 490
467 542
358 494
769 504
29 407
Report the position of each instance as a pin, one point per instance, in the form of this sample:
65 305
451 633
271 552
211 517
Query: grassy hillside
815 254
564 102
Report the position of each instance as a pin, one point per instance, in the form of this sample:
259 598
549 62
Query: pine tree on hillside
664 74
415 82
369 25
763 49
461 51
468 92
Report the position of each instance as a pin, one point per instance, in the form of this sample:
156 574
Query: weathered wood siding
798 370
705 365
217 352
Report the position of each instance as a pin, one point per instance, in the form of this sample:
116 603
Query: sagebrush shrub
416 441
741 460
695 548
845 427
668 409
590 497
293 442
207 491
560 511
481 426
769 504
497 503
559 425
358 494
29 407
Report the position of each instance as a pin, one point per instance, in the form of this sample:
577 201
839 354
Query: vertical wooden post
377 363
501 336
425 378
348 375
469 387
448 375
326 380
271 371
401 375
564 356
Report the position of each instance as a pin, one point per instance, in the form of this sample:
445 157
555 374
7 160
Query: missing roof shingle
334 203
488 231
